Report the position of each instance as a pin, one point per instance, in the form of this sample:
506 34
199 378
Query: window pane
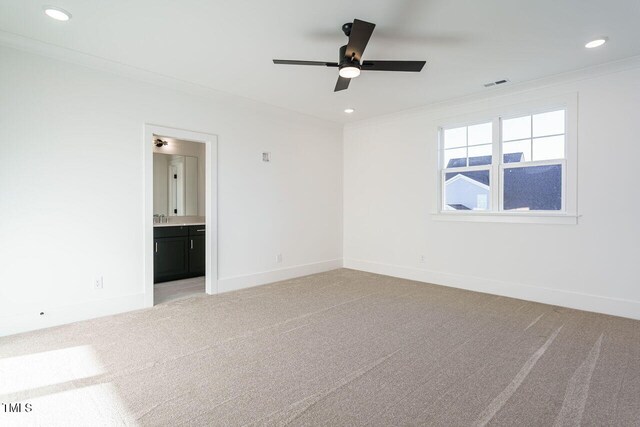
518 128
455 137
548 123
549 148
467 191
536 188
480 155
517 151
480 134
455 158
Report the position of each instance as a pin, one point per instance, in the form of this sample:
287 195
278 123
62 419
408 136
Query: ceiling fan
350 60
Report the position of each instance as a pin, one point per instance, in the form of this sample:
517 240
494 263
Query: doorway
173 218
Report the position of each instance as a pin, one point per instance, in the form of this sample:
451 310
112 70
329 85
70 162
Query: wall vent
496 83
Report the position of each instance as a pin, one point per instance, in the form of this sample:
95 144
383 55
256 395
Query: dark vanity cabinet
196 251
171 258
179 252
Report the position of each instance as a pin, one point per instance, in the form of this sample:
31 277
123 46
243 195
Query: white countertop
173 224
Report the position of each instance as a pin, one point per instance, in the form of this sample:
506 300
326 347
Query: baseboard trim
235 283
55 316
15 324
587 302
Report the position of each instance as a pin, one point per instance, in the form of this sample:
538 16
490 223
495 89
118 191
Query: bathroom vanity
179 251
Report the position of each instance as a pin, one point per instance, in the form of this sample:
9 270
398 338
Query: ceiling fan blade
413 66
342 84
294 62
360 34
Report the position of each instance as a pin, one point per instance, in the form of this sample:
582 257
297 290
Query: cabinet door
196 256
170 260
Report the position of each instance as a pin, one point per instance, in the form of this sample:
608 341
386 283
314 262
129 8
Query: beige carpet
338 348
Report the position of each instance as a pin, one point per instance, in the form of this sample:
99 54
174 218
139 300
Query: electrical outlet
423 259
98 283
279 258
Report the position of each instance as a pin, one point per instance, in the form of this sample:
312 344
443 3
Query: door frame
211 203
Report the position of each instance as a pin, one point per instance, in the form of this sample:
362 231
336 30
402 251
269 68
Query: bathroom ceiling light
159 142
349 110
596 43
57 13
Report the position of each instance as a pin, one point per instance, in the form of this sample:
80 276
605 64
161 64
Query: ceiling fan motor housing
345 61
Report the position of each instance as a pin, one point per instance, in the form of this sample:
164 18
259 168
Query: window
533 150
467 155
506 165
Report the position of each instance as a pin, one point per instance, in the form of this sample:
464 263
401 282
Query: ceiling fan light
349 72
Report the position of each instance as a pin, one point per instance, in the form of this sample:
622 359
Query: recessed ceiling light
57 13
596 43
349 110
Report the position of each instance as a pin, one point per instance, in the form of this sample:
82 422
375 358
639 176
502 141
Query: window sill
522 218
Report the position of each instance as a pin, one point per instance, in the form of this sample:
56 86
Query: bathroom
179 170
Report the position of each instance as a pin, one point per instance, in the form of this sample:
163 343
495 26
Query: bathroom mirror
175 185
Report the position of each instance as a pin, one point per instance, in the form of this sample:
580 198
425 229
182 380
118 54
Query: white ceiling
228 45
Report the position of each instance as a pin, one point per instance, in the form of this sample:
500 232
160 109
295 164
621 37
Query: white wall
67 214
390 184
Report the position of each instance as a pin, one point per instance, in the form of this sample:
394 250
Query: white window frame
496 213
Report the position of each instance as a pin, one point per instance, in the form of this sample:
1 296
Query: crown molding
519 88
33 46
37 47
